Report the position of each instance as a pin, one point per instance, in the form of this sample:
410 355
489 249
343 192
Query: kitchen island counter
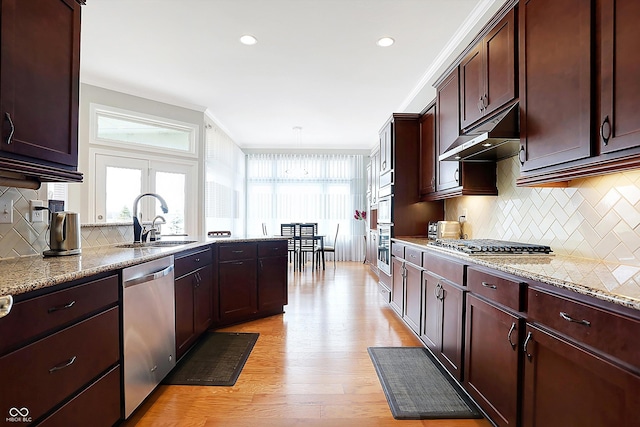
604 280
25 274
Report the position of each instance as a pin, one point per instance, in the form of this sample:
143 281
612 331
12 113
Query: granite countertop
29 273
607 281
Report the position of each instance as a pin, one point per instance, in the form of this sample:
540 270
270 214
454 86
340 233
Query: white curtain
322 188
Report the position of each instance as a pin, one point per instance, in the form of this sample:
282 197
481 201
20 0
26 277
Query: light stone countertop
29 273
607 281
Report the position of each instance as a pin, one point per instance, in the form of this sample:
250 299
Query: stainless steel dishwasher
149 333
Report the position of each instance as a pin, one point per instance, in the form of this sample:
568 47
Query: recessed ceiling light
248 40
385 42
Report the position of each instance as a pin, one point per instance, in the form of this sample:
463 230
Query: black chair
289 231
308 243
331 248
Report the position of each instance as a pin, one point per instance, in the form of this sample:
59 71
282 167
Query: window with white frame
142 157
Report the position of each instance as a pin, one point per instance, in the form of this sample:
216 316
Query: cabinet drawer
187 264
42 374
606 331
273 248
31 318
237 251
413 255
397 250
507 292
98 405
445 268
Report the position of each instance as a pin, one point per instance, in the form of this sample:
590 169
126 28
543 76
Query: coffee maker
64 234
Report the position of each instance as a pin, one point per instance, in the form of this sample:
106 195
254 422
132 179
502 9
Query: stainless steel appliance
384 248
148 322
444 230
490 247
64 234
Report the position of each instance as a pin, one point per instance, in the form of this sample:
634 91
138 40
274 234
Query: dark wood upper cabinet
39 88
427 151
447 129
555 81
620 71
488 73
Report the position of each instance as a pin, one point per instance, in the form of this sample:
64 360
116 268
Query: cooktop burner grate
491 247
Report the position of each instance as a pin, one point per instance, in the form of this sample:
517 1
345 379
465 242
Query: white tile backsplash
592 218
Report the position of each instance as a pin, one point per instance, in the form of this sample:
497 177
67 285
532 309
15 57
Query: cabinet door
413 303
499 57
491 360
428 152
272 283
185 331
39 83
386 140
565 385
203 300
620 68
447 119
472 86
397 285
555 81
238 289
432 314
452 325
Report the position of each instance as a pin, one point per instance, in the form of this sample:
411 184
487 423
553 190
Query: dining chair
331 248
289 231
308 243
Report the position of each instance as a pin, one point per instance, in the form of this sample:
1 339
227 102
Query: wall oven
384 248
384 209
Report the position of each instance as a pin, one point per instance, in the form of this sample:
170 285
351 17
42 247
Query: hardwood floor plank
309 367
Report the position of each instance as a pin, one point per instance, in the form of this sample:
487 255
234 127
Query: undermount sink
157 243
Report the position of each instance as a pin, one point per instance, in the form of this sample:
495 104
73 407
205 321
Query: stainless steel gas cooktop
490 247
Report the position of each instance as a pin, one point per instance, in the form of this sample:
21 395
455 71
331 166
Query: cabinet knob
480 104
522 155
456 175
13 128
605 130
485 101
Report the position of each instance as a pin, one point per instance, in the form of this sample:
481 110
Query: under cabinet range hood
494 139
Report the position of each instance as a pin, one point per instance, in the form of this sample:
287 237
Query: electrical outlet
6 211
36 215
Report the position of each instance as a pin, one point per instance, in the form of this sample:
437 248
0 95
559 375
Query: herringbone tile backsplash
592 218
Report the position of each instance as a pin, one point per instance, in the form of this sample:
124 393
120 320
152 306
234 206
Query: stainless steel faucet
138 234
155 235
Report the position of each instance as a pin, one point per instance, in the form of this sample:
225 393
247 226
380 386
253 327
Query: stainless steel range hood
494 139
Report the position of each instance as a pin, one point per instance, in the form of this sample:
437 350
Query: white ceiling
316 63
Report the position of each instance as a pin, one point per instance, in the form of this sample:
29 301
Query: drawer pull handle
239 263
11 125
64 365
568 318
61 307
526 344
6 302
155 368
513 328
237 252
489 285
197 260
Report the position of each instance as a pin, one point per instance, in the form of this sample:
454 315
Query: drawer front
503 291
272 248
31 318
413 255
445 268
606 331
97 406
397 250
187 264
42 374
237 251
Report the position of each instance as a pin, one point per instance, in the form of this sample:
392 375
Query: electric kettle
64 234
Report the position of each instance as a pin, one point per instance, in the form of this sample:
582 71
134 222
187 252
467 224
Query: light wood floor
310 366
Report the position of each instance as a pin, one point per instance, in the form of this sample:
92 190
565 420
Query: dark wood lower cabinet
194 300
565 385
238 289
397 285
492 352
443 322
272 277
413 297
